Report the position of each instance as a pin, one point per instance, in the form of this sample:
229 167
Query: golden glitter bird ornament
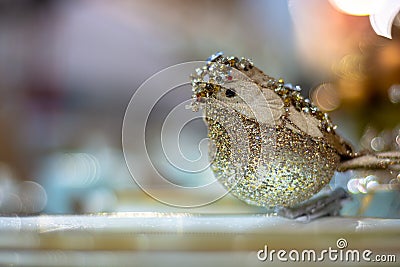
269 146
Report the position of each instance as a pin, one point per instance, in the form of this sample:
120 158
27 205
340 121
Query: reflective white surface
165 239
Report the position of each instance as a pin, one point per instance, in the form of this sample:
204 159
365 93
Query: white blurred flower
381 12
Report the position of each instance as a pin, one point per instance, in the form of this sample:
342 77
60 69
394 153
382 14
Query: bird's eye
230 93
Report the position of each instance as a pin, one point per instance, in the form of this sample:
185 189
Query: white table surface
173 239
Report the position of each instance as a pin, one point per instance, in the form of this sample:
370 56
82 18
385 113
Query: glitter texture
269 146
293 169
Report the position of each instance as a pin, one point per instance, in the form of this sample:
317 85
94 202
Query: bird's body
280 167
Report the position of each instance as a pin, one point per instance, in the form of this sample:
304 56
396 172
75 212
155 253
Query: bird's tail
372 161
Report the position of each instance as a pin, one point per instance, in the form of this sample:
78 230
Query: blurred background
69 68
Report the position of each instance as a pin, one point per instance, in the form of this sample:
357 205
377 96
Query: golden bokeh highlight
326 97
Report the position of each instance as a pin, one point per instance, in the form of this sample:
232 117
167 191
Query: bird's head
229 81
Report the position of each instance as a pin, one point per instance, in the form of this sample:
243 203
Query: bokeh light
326 97
370 184
355 7
394 93
33 197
